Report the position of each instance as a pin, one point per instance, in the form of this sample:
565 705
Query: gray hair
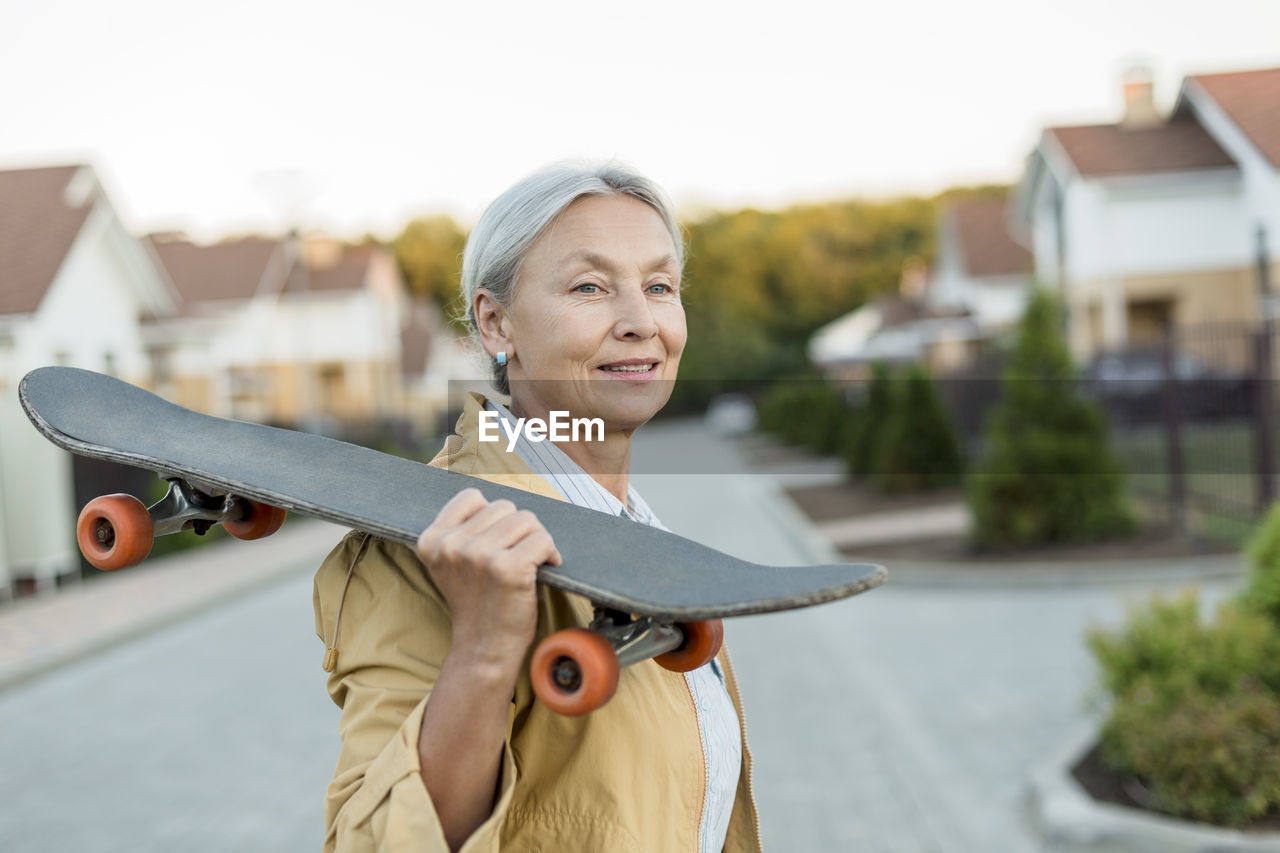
517 218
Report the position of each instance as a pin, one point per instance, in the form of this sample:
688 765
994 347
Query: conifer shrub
917 447
1048 475
1195 716
806 412
861 438
1262 593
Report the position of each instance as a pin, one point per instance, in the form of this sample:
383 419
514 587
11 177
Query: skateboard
655 594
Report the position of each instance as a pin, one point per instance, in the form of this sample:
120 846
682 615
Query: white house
977 288
980 270
75 289
1155 220
289 331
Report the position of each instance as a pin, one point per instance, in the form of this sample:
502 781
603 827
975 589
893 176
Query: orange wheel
574 671
259 520
701 643
114 531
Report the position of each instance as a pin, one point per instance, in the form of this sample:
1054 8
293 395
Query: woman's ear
491 323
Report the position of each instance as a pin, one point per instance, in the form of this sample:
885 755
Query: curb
50 656
797 527
1068 820
1145 570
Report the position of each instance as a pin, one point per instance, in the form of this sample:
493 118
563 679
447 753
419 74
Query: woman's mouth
630 369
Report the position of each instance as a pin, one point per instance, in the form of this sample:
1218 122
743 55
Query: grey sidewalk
41 633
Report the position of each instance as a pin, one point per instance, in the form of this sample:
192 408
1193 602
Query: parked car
731 414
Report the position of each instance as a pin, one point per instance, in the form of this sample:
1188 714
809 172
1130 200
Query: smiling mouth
629 368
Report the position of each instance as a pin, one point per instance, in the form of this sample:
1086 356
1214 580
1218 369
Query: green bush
861 439
917 447
1049 475
1263 590
1196 710
805 412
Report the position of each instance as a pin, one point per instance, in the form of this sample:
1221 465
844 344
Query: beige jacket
628 777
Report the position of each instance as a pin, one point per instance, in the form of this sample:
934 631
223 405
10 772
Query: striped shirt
717 720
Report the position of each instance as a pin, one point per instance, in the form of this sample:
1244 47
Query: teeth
629 368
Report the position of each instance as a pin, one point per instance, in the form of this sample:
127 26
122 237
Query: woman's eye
587 287
660 288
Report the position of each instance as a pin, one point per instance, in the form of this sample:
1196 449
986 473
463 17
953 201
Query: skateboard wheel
114 532
259 520
574 671
702 642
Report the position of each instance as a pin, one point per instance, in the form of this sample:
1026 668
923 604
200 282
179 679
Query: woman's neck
607 461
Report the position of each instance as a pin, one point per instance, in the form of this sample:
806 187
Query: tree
917 447
1049 475
429 251
861 440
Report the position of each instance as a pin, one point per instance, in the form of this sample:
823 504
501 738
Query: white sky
383 110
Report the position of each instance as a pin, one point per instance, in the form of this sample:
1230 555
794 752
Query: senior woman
572 280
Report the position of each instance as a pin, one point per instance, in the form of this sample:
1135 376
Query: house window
1148 321
161 365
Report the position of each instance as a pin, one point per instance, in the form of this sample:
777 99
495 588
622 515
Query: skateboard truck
115 531
576 670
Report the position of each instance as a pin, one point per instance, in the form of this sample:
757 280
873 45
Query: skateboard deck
615 562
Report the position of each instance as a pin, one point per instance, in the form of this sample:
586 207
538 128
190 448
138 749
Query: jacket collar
465 453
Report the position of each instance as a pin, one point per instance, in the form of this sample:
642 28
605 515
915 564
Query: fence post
1172 398
1264 421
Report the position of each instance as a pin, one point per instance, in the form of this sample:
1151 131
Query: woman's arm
484 559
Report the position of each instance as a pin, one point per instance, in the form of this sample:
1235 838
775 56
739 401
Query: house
295 331
905 327
980 270
75 289
1157 221
976 289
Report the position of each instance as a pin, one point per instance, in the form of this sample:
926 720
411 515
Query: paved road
904 720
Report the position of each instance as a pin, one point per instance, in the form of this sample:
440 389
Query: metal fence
1193 420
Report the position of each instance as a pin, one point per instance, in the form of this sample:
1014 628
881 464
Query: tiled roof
1107 149
348 273
984 241
222 271
1251 99
239 269
37 229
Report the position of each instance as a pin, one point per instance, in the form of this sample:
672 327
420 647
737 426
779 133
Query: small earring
502 357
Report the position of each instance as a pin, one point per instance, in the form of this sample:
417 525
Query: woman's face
596 327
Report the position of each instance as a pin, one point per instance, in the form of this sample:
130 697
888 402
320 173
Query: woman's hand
484 558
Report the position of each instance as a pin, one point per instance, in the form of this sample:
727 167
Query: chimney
321 252
914 281
1139 99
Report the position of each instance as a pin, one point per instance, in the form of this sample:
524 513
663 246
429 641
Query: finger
461 507
537 548
510 529
485 519
457 510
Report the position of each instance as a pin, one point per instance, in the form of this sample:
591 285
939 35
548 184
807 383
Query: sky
235 116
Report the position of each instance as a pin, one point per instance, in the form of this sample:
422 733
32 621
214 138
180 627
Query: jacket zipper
746 748
706 761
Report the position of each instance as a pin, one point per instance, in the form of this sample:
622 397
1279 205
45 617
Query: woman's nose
635 315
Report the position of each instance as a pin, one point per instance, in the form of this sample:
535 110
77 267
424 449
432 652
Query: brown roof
238 269
230 270
348 273
985 245
1252 100
1108 149
37 229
